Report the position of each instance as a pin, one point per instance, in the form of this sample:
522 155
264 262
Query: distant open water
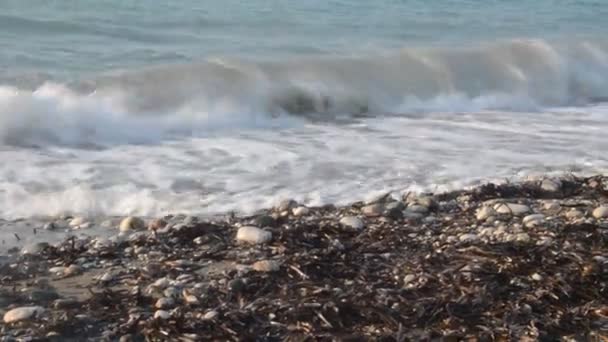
136 107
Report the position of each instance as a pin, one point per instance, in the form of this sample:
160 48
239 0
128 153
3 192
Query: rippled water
117 107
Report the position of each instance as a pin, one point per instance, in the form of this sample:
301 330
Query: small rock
77 221
512 209
106 277
394 205
22 313
600 212
352 222
72 270
209 315
157 224
162 314
165 303
50 226
412 215
468 237
66 303
409 279
57 270
285 205
189 297
533 220
484 213
551 205
551 185
300 211
265 221
131 223
34 248
253 235
522 237
161 283
171 292
574 214
373 210
417 208
394 213
266 266
537 277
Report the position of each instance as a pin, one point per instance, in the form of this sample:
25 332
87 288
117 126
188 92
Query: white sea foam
236 135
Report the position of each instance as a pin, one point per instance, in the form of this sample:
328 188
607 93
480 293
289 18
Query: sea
205 107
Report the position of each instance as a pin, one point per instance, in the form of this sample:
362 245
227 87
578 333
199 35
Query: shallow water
114 108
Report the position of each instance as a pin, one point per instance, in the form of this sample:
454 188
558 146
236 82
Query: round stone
162 314
533 220
164 303
253 235
266 266
352 222
373 210
300 211
600 212
512 209
484 213
131 223
23 313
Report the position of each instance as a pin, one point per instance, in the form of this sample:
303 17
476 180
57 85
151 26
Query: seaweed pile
526 261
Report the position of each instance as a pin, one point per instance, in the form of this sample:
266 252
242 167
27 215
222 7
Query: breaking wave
148 105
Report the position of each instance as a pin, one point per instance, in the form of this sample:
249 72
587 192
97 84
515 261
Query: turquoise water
152 107
58 37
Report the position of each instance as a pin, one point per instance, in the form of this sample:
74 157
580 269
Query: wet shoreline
498 262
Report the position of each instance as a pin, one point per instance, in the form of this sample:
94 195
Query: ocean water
114 107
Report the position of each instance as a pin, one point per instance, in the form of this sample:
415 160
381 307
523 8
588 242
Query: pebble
161 283
533 220
394 205
512 208
72 270
162 314
352 222
484 213
50 226
417 208
253 235
57 270
468 237
394 213
285 205
189 297
574 214
131 223
409 278
551 205
600 212
157 224
106 277
34 248
537 277
522 237
373 210
22 313
77 221
300 211
164 303
209 315
551 185
412 215
265 221
266 266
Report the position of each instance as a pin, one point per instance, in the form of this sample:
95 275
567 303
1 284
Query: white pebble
164 303
161 283
266 266
601 212
162 314
484 213
77 221
533 220
551 185
522 237
131 223
468 237
409 279
537 277
209 315
300 211
253 235
22 313
511 208
352 222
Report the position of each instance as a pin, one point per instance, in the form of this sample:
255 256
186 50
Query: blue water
58 37
152 107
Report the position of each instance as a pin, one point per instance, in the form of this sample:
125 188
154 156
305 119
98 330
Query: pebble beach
514 261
